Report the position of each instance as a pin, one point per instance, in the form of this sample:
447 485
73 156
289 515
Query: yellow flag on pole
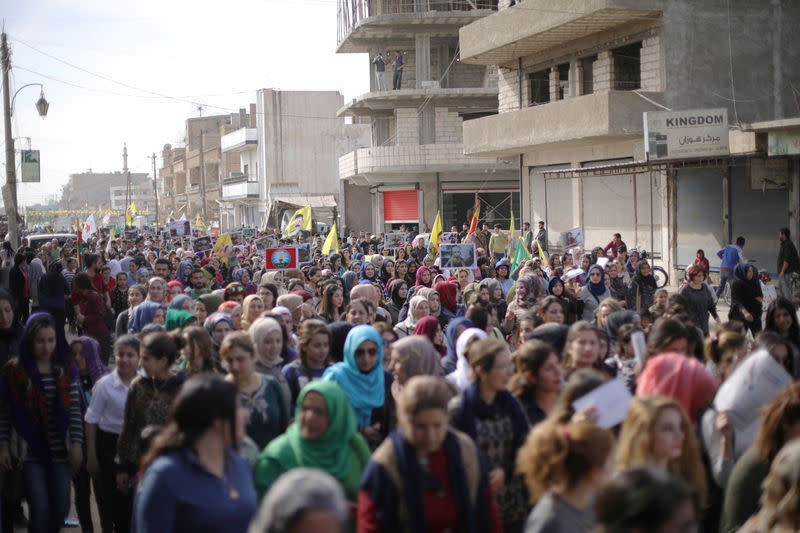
436 233
331 242
510 245
301 220
224 247
199 222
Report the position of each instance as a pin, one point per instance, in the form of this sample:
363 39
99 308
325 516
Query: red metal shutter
400 206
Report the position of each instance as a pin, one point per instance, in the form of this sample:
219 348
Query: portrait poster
202 244
458 256
394 240
449 237
181 228
281 258
572 238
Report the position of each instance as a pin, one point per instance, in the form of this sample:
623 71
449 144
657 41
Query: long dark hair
203 399
530 357
786 305
55 281
326 308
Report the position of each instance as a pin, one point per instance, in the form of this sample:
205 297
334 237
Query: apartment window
540 87
245 168
627 67
562 89
587 64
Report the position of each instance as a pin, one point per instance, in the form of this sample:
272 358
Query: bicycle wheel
661 277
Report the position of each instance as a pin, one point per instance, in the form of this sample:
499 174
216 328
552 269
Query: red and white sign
281 258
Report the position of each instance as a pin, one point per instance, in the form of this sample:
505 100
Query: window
627 67
540 87
562 90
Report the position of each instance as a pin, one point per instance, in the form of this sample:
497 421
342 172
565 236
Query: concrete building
93 189
183 181
415 165
142 194
287 149
574 81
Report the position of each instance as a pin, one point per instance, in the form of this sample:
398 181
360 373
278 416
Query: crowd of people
372 390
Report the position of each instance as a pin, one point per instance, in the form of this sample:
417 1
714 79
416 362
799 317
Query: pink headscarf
682 378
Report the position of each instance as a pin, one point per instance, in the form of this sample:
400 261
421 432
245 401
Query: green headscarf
176 319
331 452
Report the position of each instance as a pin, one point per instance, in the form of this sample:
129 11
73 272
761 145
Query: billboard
30 166
686 134
785 142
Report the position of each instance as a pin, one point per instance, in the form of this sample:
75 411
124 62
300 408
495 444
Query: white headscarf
460 376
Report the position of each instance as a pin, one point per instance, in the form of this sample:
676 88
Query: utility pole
11 174
155 188
127 179
203 177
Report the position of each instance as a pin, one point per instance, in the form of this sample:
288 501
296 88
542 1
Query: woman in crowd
312 360
268 413
572 305
194 479
593 292
268 293
148 403
746 297
359 312
418 308
412 356
54 292
234 292
136 295
723 352
642 289
252 308
103 426
657 433
492 417
782 319
197 352
397 291
537 381
427 477
233 310
582 349
92 316
10 328
332 308
43 383
361 376
526 295
780 424
461 377
551 310
324 435
423 277
700 299
606 307
218 326
411 274
448 297
145 313
268 337
429 327
564 467
367 273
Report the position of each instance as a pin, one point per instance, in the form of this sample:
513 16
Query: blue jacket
731 256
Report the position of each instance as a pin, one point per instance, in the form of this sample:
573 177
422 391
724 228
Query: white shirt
107 408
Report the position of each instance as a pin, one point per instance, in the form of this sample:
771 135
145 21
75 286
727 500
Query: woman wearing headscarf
448 297
174 289
526 292
144 314
642 291
746 297
211 302
460 377
397 292
418 307
572 306
184 271
423 277
456 327
267 336
594 292
362 378
411 273
252 307
413 356
387 271
242 275
178 319
429 327
324 435
181 303
218 325
368 273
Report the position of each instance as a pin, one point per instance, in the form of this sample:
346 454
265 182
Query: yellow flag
542 254
436 233
220 247
133 207
511 234
199 222
331 242
301 220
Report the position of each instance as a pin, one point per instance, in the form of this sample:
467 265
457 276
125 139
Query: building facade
93 190
574 84
415 165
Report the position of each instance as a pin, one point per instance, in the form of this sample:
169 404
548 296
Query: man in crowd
614 245
788 263
731 256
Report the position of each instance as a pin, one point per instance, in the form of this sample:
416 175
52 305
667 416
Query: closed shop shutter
400 206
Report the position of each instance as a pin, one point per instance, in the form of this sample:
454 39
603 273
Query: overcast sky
145 64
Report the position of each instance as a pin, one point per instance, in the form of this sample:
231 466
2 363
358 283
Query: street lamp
42 107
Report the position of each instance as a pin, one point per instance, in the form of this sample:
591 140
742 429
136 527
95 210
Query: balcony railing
351 12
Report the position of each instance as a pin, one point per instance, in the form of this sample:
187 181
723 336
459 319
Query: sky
133 72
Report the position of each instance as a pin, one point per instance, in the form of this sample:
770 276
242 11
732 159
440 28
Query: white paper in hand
611 401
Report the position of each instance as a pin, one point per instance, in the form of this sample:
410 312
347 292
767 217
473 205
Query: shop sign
785 142
686 134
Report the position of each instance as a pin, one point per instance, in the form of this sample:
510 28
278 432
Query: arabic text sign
783 142
30 166
686 134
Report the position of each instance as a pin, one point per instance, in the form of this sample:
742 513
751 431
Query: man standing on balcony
398 70
380 71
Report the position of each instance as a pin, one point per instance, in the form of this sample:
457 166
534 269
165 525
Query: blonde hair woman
657 433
